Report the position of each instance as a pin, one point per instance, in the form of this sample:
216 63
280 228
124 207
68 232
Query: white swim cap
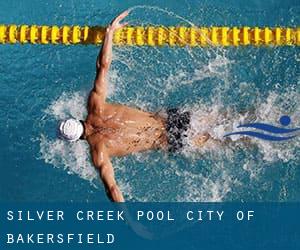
70 130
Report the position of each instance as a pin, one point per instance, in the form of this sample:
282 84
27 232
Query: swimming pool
42 84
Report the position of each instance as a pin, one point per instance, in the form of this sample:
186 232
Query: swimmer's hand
115 24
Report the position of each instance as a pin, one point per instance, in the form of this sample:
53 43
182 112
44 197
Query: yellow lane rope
152 35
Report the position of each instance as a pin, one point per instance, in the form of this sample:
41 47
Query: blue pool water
42 84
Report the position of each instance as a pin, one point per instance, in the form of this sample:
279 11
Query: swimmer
114 130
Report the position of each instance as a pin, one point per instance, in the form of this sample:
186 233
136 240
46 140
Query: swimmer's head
70 130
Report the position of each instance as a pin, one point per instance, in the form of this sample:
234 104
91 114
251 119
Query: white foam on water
200 188
72 157
68 105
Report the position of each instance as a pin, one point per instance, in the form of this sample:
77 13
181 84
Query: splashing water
208 83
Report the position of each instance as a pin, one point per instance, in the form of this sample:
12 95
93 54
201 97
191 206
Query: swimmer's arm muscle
105 56
102 65
103 164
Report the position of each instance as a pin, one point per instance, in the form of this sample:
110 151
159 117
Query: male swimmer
117 130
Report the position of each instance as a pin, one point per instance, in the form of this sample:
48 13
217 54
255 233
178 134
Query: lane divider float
152 35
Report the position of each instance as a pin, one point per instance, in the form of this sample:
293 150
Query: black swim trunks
177 125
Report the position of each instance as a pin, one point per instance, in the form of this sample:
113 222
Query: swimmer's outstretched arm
105 56
103 164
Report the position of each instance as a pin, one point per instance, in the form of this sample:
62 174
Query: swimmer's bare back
113 129
123 130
